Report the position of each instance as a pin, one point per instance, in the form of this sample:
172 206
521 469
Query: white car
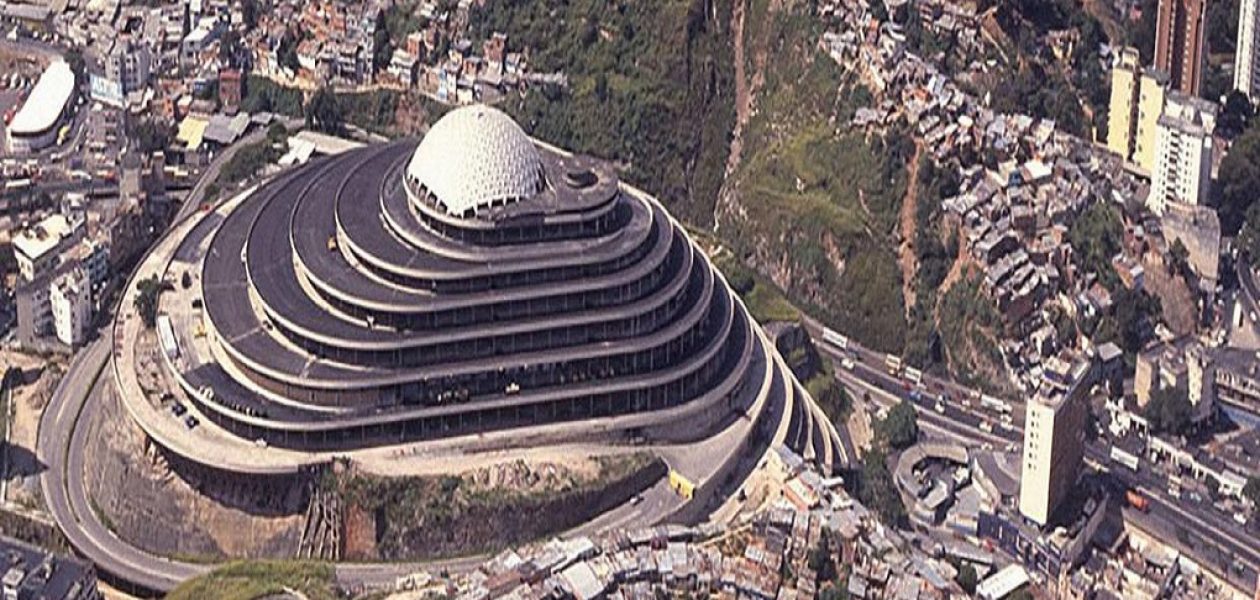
1240 518
847 363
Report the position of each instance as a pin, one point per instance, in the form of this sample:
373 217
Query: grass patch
967 319
246 163
249 580
830 396
265 95
764 300
818 202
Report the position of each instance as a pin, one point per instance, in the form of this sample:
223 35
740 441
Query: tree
74 58
821 562
185 280
1235 115
150 135
382 48
1021 594
900 428
1129 323
1095 236
878 10
1222 26
249 13
1168 411
1180 258
146 302
1238 180
324 113
287 51
277 132
1212 484
833 592
968 578
878 491
1143 36
1251 491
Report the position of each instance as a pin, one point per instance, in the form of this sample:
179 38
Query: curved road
61 446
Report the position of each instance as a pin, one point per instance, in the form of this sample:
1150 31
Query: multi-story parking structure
476 281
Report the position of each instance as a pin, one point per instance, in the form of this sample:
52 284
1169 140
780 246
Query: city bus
835 339
995 405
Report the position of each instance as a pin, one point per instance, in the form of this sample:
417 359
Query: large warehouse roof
48 98
474 156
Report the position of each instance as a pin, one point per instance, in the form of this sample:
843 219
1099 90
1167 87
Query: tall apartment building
1054 430
1185 365
1152 90
38 247
1126 73
1247 57
70 303
1179 43
1137 101
1183 152
128 64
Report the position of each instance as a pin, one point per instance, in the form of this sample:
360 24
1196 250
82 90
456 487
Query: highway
962 423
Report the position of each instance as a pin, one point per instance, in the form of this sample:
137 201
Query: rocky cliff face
177 510
403 518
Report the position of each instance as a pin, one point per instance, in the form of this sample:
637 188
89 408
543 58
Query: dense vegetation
249 159
249 580
649 86
1041 85
1251 491
264 95
878 491
969 328
1238 180
898 429
1168 411
815 205
148 292
1130 323
935 248
1095 237
763 299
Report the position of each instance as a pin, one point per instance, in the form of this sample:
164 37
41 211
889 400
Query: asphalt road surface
962 423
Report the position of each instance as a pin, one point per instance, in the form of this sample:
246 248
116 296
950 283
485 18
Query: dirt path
745 95
909 208
957 269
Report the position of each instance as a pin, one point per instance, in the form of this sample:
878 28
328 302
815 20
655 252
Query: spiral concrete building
476 281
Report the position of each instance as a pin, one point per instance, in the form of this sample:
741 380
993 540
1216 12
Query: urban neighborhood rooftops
37 240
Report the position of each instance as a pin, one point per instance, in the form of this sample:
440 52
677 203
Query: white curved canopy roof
475 156
48 98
